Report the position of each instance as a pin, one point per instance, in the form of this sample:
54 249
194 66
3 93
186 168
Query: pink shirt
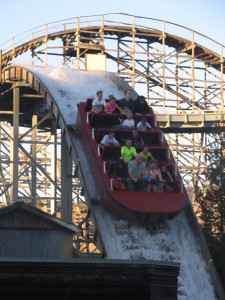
111 108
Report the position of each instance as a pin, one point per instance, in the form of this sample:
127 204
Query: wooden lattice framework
180 71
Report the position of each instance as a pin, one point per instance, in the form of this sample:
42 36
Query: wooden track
87 34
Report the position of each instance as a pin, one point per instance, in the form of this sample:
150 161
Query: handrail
54 24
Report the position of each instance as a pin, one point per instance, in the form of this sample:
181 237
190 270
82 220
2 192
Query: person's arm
94 109
170 177
132 124
122 154
124 123
121 102
142 142
132 177
152 156
104 104
116 142
103 141
131 174
144 171
148 125
134 152
160 176
106 109
138 126
120 110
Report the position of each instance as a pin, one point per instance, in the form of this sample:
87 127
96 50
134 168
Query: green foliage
211 202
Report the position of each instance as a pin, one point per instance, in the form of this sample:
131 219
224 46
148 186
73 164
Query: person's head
163 168
99 95
145 150
141 99
143 120
129 115
138 158
112 100
111 134
128 94
134 132
153 164
128 142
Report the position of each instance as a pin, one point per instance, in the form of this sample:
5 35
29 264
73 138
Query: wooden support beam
34 156
14 147
66 194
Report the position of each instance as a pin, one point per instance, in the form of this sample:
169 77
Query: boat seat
104 120
151 138
114 152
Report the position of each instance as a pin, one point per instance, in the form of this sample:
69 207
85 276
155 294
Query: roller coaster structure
182 78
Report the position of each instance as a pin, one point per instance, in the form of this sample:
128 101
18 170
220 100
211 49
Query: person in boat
126 104
99 104
120 170
112 107
140 106
128 123
136 138
167 178
146 155
128 152
143 124
109 139
153 177
136 170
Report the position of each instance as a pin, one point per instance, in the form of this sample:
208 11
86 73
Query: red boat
151 206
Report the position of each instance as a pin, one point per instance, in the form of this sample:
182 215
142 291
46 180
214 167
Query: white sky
205 16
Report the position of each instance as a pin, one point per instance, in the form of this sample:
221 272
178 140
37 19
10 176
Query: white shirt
129 123
109 141
99 105
141 127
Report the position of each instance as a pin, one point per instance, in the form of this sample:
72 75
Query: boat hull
138 205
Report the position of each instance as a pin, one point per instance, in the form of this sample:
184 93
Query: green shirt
145 157
128 153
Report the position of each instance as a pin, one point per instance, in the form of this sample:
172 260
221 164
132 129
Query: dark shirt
136 140
126 105
140 108
121 169
165 176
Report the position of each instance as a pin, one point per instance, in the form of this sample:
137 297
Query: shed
28 232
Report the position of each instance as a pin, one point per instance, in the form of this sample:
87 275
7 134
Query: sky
205 16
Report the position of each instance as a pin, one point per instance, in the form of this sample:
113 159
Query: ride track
91 40
94 222
184 79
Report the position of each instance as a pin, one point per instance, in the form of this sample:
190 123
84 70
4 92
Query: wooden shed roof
38 213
